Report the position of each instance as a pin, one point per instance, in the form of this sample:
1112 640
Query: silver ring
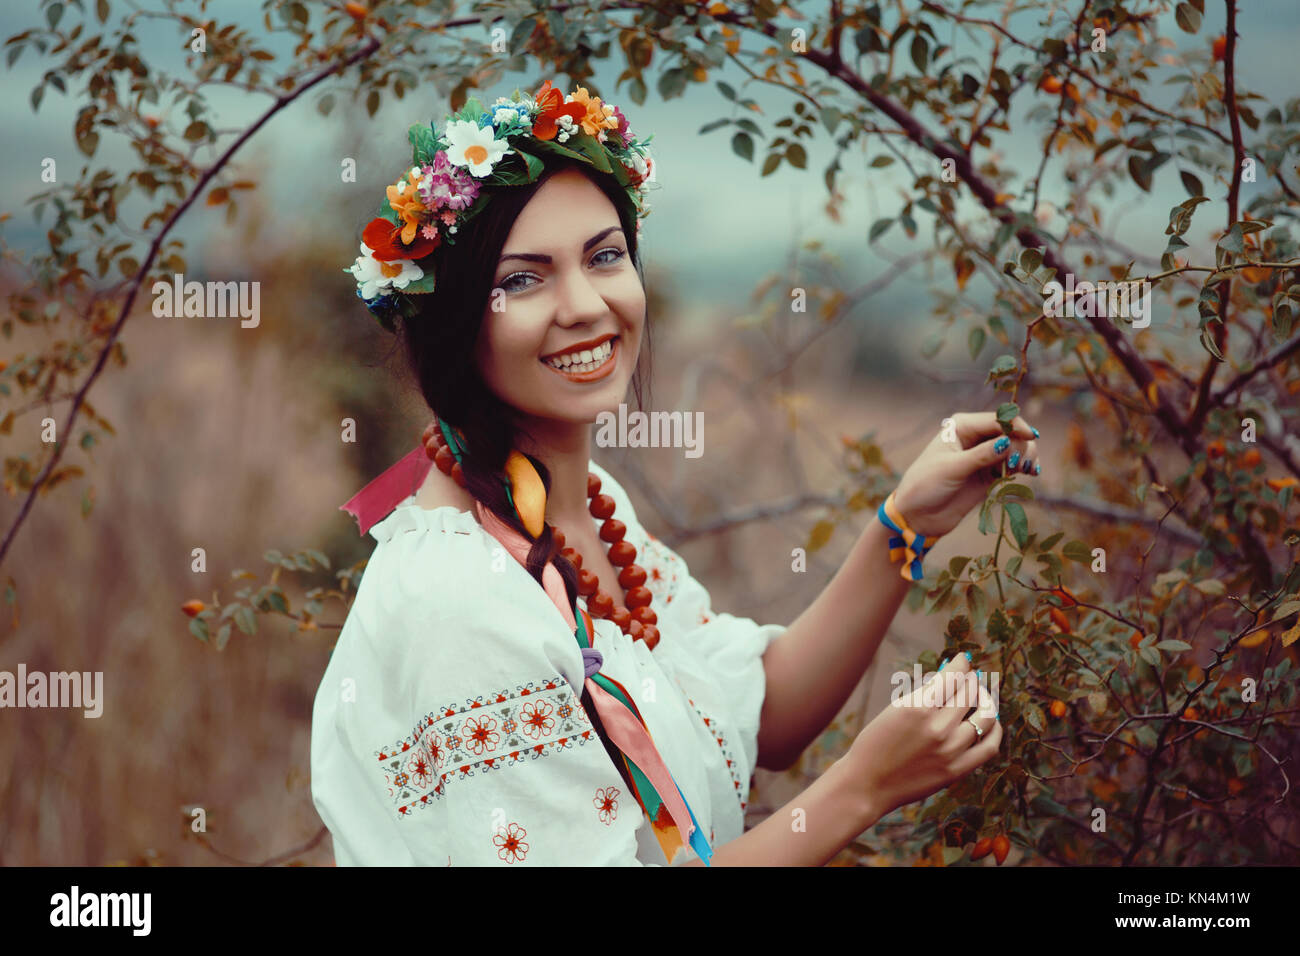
978 733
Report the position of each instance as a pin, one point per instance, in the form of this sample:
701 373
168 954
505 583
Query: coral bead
650 635
457 475
573 557
593 485
558 535
601 604
622 617
621 553
638 597
645 615
632 576
635 629
587 583
444 459
612 531
602 507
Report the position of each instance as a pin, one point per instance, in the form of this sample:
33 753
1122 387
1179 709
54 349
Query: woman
527 676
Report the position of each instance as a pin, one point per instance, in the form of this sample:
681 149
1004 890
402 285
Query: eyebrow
538 257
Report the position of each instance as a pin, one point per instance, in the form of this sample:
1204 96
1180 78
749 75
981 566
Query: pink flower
444 186
429 230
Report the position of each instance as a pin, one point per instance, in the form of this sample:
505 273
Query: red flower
551 106
384 239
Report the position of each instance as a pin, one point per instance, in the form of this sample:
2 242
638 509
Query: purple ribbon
591 661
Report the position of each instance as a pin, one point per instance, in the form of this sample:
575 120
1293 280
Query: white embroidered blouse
448 729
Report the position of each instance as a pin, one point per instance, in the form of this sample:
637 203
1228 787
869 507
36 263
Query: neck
565 449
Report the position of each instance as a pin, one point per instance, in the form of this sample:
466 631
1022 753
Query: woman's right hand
911 750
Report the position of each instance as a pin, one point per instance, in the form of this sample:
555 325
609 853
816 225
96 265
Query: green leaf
796 156
1141 173
1034 717
1002 365
1049 542
878 229
1078 551
1007 412
769 165
223 636
881 161
742 144
1192 184
920 51
975 341
1187 17
199 628
1172 645
957 565
245 619
1019 523
1015 490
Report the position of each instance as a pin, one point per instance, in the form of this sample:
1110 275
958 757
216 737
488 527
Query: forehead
568 207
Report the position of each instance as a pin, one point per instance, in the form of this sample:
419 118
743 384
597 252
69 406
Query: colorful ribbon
905 543
654 788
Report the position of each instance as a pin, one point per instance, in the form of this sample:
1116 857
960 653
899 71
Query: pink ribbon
377 499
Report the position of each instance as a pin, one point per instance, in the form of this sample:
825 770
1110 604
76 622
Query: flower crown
501 146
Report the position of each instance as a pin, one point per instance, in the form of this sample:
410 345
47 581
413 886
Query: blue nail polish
1013 460
1038 468
1035 431
1026 466
1001 444
979 673
968 657
943 665
997 717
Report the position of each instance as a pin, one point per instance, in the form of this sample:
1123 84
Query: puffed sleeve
717 657
447 729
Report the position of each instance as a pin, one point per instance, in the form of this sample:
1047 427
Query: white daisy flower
376 278
474 147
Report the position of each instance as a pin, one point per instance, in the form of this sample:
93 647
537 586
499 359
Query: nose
578 301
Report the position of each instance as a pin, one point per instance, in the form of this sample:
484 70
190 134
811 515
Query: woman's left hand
950 477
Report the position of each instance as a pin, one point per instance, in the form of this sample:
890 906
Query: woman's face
562 330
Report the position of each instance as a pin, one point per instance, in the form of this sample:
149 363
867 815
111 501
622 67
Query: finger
963 694
979 753
984 717
952 681
975 427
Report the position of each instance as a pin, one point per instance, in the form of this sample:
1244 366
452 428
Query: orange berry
1066 597
1059 619
1191 714
1249 458
1058 709
982 848
193 608
1135 639
1220 46
1215 448
1050 84
151 122
1235 785
357 11
1001 846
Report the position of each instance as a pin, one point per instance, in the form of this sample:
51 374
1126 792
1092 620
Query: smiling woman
519 663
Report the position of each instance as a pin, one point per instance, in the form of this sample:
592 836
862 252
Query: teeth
584 360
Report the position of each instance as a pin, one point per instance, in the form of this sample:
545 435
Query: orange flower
597 116
404 197
550 107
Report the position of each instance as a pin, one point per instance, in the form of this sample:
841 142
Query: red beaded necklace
637 619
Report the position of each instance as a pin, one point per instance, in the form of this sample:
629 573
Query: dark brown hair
439 344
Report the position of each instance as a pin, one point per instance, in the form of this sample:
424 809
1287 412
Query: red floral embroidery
487 733
537 718
510 843
721 739
480 735
606 803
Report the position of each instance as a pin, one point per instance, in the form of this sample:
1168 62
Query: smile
585 364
